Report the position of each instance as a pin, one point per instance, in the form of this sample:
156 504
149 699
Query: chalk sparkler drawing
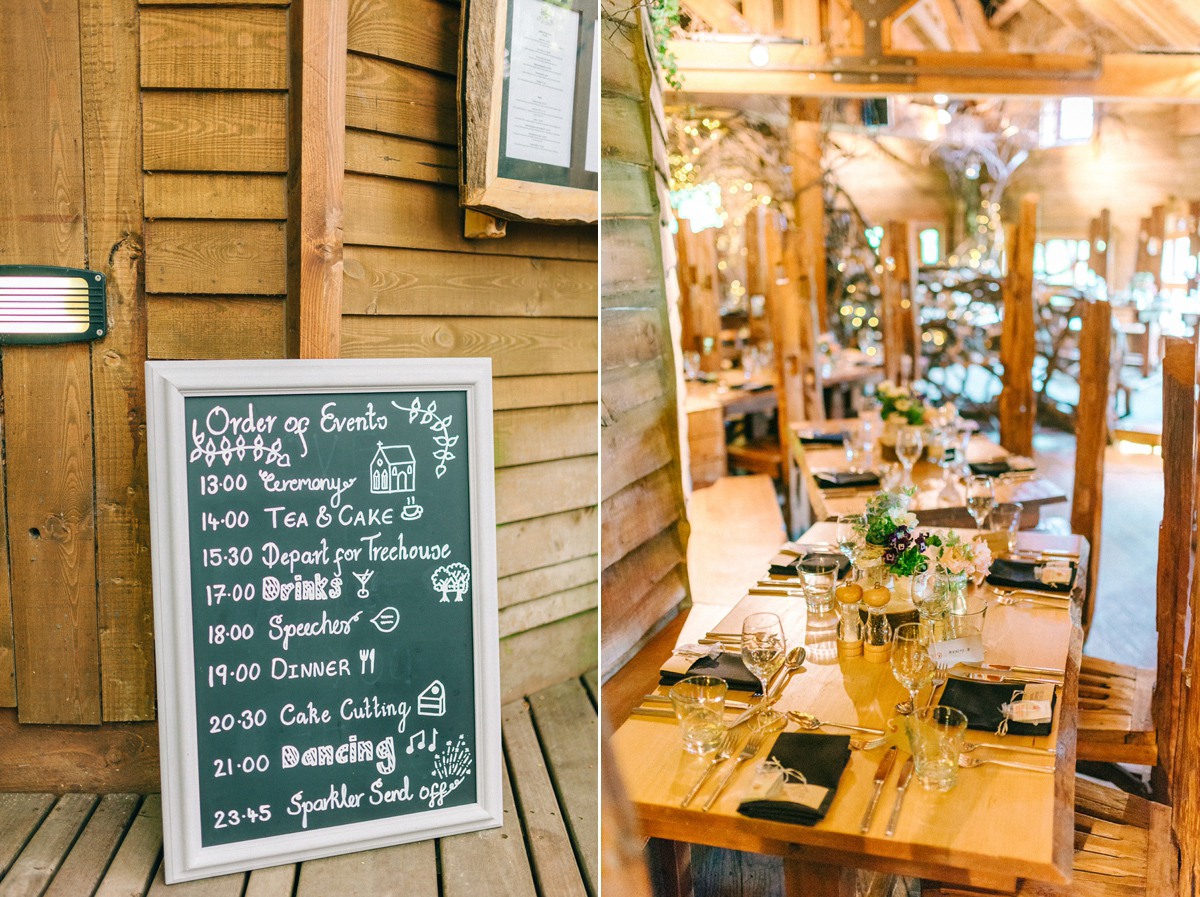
453 764
439 425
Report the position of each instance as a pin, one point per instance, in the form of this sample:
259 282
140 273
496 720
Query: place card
773 782
968 649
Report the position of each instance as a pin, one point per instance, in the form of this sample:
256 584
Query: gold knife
881 774
906 772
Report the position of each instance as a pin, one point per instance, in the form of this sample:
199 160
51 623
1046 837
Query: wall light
44 304
759 55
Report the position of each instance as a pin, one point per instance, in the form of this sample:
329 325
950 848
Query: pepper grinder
850 625
877 640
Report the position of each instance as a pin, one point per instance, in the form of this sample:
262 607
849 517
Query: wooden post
1176 558
1193 220
316 172
784 312
1100 245
805 143
1091 438
698 306
112 153
901 341
1018 408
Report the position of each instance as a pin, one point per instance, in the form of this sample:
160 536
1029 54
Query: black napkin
1023 575
823 438
726 665
981 702
834 479
792 567
989 468
821 759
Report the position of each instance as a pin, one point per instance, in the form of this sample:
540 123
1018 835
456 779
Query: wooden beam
793 70
961 35
898 286
1091 439
804 153
760 15
802 20
721 15
1017 404
1007 11
315 178
1122 18
112 153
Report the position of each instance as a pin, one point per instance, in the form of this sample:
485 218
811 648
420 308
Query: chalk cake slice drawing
363 578
393 469
387 619
449 578
411 510
432 701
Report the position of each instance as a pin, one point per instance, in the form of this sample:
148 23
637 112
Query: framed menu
529 100
323 537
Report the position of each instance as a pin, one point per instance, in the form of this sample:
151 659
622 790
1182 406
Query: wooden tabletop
934 505
996 826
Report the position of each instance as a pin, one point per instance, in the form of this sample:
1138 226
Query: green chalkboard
327 604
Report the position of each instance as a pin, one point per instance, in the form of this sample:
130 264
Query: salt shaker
850 625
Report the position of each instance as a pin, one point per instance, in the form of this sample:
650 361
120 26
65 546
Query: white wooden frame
167 385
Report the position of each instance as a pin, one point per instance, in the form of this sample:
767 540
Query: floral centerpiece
956 555
889 537
899 404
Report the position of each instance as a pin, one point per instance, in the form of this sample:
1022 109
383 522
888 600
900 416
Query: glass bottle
850 625
877 639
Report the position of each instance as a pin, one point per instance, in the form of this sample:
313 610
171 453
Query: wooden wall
415 287
643 522
153 142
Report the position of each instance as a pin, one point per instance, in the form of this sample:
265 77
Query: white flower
885 386
903 391
903 517
903 404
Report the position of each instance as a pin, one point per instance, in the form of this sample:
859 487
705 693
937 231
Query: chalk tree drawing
439 425
393 469
449 578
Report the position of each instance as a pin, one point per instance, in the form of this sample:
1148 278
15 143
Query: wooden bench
91 845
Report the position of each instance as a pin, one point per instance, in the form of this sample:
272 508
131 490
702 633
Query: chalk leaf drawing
439 425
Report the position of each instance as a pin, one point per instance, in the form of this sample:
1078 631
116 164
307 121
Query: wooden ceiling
1148 49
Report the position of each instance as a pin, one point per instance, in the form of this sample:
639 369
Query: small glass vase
873 571
949 592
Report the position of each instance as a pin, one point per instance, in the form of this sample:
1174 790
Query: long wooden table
931 506
998 825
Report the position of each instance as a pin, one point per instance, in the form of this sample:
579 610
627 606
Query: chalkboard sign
325 607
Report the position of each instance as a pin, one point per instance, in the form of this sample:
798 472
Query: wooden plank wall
644 527
151 141
415 287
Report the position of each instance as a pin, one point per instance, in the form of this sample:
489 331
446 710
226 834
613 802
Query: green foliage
664 17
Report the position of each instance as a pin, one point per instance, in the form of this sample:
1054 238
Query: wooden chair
1125 712
1122 849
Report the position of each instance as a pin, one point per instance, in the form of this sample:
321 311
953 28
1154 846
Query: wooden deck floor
80 845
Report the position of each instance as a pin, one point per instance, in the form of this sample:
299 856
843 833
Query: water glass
980 498
909 444
1006 521
699 702
935 735
965 620
819 576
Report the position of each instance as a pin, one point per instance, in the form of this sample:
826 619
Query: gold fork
748 751
724 752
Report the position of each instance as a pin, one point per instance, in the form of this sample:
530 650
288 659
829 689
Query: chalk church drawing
393 469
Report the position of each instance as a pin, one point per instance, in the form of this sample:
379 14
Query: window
1066 121
1063 262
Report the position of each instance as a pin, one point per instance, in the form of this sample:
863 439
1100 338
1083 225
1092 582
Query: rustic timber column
1100 245
1175 534
804 141
1018 408
901 343
699 308
316 170
1091 438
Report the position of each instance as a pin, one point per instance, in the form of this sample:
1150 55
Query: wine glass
848 528
980 498
763 650
909 444
912 664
